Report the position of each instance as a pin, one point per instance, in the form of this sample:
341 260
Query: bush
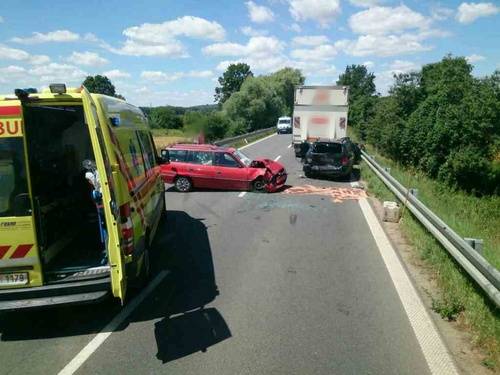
164 118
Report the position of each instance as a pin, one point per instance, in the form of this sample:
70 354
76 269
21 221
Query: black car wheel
258 185
183 184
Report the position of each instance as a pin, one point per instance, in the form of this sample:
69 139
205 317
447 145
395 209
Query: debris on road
337 194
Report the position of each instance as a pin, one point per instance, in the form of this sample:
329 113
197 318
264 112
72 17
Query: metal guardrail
476 266
226 141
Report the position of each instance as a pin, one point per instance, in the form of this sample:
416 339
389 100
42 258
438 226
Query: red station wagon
190 166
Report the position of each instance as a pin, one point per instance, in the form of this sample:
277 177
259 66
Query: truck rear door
107 180
19 256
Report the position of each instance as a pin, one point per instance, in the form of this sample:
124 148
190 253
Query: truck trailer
319 112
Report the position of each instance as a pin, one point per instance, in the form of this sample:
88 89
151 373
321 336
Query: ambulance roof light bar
58 88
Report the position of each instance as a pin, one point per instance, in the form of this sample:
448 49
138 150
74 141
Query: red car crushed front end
274 174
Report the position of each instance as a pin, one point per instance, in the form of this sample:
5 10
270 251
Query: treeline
440 120
245 103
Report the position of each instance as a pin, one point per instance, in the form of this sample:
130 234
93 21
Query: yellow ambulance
80 197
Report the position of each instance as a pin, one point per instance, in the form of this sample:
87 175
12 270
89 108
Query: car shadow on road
181 246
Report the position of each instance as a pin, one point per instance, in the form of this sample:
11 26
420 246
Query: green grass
458 297
242 143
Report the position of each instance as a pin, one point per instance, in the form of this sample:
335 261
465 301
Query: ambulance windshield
12 175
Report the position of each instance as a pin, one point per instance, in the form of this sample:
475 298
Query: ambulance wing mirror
165 157
22 205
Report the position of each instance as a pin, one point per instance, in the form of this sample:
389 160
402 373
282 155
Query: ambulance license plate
18 278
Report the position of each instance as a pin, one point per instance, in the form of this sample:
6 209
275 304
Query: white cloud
295 27
385 79
159 39
250 31
55 72
8 53
162 77
369 64
321 52
53 36
310 40
440 13
39 59
386 20
364 3
259 47
383 45
87 58
471 59
173 48
259 13
116 73
188 26
321 11
469 12
403 66
1 19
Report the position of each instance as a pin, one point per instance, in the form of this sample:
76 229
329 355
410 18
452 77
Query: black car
331 157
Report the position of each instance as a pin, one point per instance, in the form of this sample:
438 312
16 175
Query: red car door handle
219 172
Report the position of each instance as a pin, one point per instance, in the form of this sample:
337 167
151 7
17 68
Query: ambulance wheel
183 184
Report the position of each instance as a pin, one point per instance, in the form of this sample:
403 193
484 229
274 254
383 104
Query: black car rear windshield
13 181
327 148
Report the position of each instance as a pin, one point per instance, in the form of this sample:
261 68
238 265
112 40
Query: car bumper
284 131
276 183
63 294
332 170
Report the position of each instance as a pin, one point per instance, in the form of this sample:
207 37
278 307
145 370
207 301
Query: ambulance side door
116 258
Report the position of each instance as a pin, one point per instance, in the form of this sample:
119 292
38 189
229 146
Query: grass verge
251 139
458 297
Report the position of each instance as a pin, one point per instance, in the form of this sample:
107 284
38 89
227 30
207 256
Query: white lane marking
277 158
435 352
289 146
242 194
257 141
98 340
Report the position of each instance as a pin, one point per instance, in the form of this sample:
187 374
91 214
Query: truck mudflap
81 292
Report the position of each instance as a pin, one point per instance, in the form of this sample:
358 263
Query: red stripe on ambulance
10 111
3 250
21 251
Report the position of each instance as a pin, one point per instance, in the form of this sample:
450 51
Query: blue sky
171 52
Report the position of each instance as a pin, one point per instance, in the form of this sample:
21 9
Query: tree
257 105
285 81
164 118
99 85
231 81
361 95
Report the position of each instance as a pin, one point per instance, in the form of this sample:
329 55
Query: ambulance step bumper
82 292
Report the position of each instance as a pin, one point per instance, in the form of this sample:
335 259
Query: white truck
319 112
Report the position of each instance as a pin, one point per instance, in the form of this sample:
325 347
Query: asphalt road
259 284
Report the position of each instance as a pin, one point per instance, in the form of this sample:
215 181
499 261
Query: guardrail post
387 169
413 192
475 243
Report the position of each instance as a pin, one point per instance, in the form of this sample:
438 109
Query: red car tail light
344 160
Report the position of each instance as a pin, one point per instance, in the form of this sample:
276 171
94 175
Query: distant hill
182 110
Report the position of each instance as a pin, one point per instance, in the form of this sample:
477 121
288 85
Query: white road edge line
289 146
242 194
435 352
112 326
257 141
277 158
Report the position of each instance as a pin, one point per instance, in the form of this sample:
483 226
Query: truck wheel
183 184
258 185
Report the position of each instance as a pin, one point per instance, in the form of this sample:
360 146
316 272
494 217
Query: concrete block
392 212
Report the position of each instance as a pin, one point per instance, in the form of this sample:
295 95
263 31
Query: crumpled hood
272 165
